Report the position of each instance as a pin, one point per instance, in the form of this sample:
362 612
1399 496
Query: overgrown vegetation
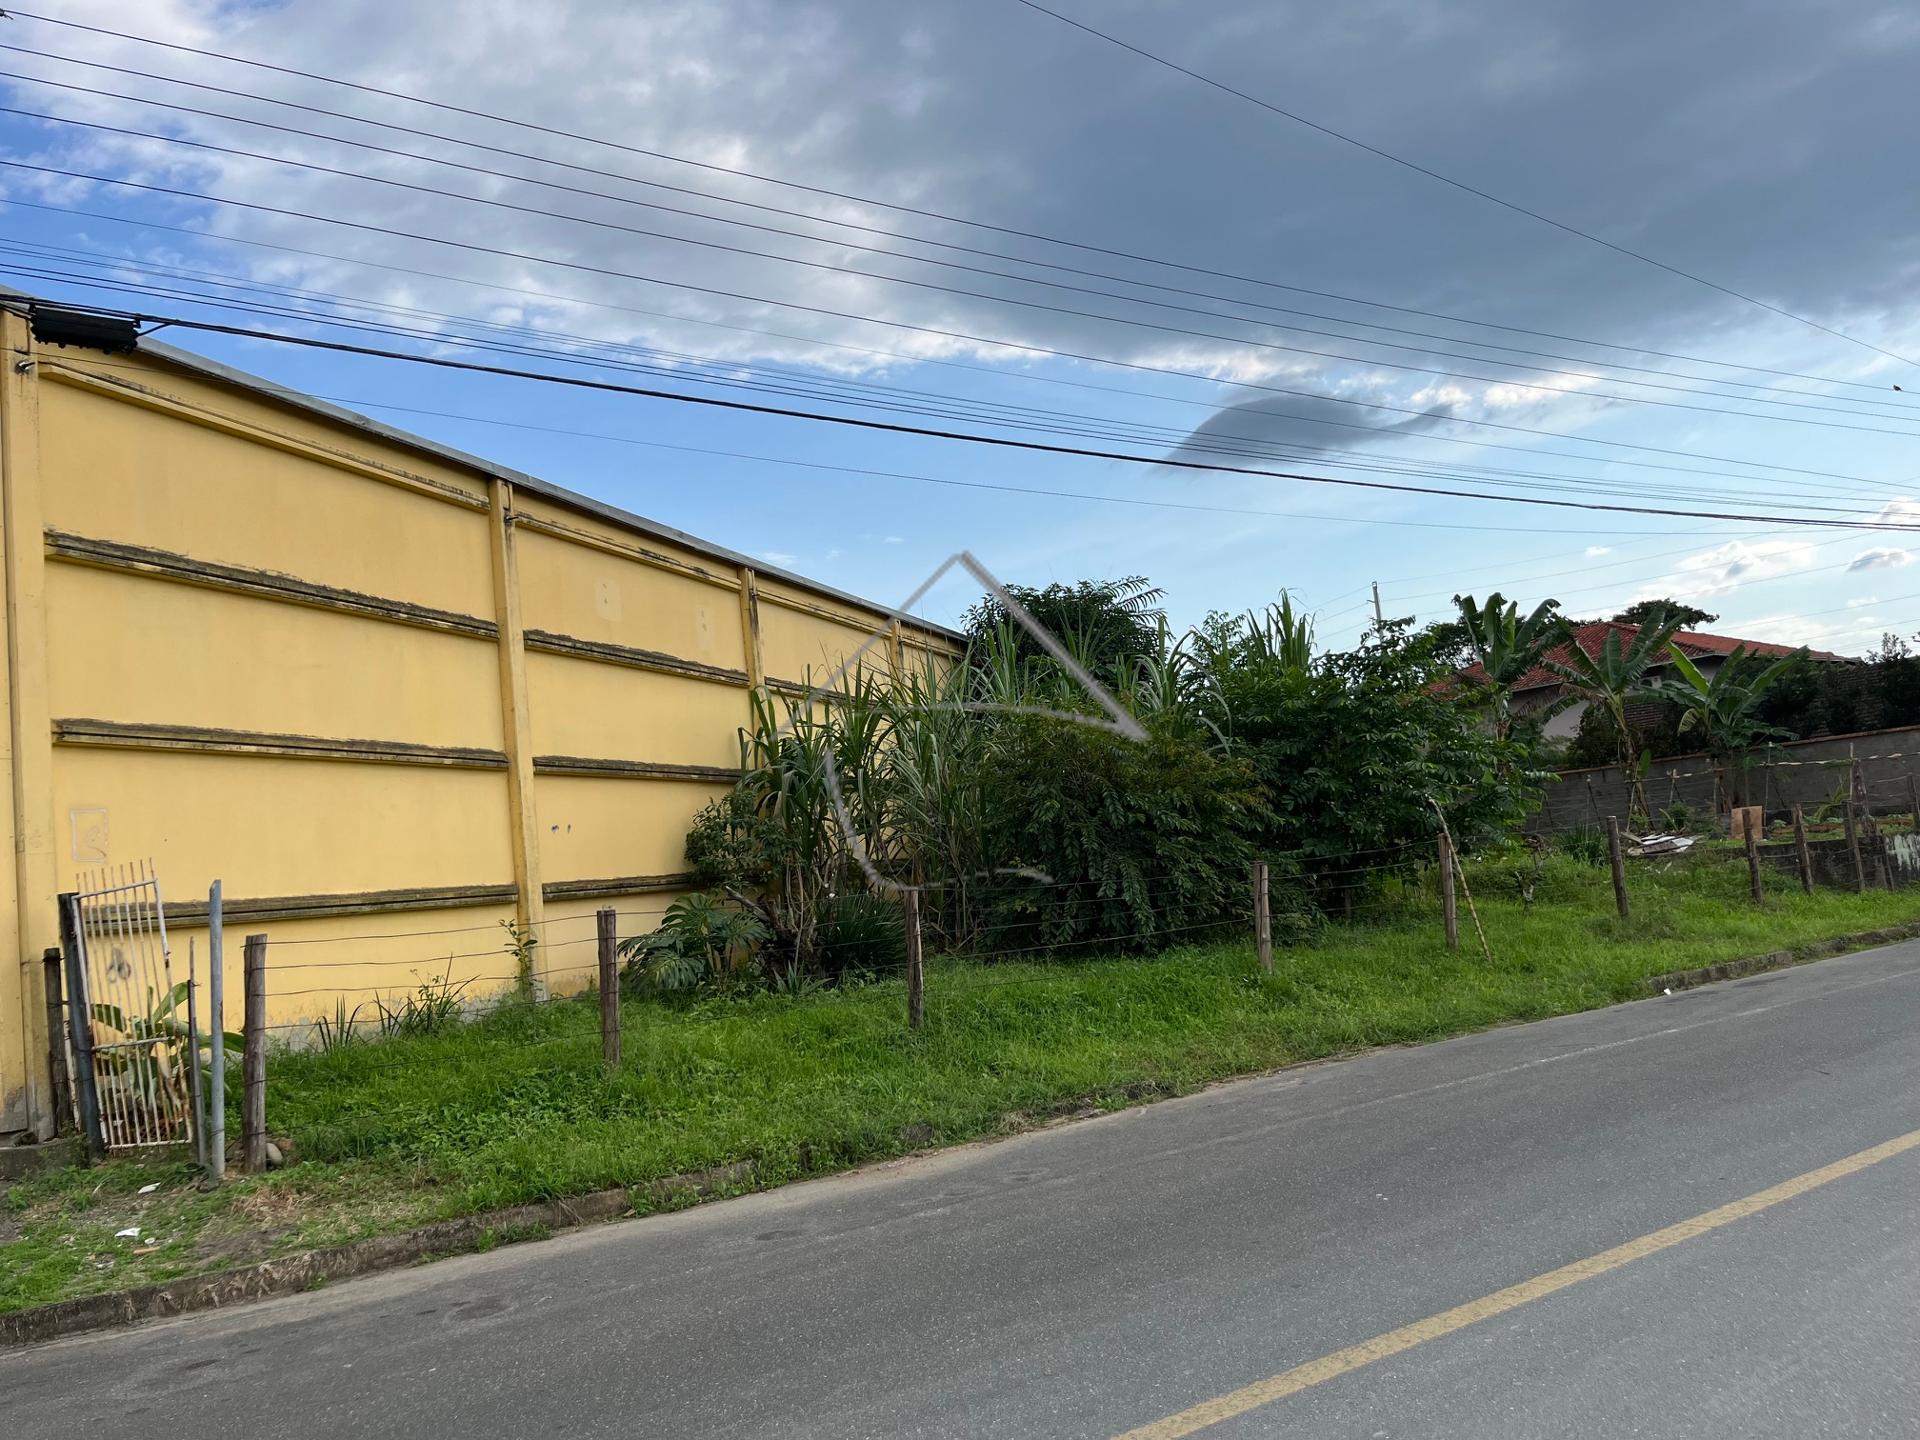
999 786
516 1106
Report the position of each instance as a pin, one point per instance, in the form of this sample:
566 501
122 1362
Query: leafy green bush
1585 843
701 940
434 1008
862 935
1354 750
1139 843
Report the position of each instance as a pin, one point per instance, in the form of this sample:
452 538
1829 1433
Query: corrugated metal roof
20 300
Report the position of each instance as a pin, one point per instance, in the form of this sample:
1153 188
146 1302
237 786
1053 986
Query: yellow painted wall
251 642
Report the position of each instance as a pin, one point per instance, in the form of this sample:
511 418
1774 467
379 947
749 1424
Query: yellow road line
1342 1362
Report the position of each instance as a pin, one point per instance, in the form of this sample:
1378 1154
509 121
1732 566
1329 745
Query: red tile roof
1592 636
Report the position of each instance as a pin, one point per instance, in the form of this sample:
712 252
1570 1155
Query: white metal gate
139 1021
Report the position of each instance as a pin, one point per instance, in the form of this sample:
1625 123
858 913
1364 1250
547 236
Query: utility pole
1379 619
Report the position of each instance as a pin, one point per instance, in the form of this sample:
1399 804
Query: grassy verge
517 1106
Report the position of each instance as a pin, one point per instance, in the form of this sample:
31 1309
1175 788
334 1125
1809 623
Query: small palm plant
143 1057
701 940
1724 707
1613 679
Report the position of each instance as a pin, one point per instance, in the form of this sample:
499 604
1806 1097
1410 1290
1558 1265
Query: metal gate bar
142 1040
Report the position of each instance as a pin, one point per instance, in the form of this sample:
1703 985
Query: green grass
517 1106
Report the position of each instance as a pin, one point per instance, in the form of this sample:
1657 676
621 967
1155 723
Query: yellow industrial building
386 692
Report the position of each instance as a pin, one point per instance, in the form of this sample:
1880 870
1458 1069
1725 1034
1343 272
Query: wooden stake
1804 855
603 924
50 964
1857 783
1262 916
253 1109
1753 866
1913 801
1449 911
1853 848
916 974
1619 865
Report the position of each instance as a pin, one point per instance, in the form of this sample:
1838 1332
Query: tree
1107 625
1506 647
1725 707
1353 750
1682 615
1612 679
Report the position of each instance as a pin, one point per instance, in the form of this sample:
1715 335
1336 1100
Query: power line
1108 427
1018 375
822 191
996 441
1039 305
490 173
1031 347
1461 185
1075 426
966 484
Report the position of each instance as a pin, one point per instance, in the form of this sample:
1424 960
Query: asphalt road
1107 1275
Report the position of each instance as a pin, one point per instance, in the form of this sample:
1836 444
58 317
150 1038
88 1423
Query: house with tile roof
1542 687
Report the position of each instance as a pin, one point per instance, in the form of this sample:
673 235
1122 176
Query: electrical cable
1462 185
1428 416
1885 404
825 192
1025 304
1101 426
999 442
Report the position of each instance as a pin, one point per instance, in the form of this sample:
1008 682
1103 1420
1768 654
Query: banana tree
1724 707
1507 647
142 1059
1613 679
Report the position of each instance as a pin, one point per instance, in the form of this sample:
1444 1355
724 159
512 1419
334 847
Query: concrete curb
1780 959
313 1268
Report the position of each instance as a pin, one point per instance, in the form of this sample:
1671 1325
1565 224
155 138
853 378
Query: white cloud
1597 550
780 557
1881 557
1863 600
894 540
1903 510
1728 567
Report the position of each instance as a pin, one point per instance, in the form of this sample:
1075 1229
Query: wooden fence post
603 922
916 974
1804 855
1753 866
50 964
1857 787
1853 849
1913 801
1262 917
1619 866
1449 906
253 1109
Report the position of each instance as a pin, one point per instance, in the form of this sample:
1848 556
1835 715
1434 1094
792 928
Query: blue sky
1770 153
